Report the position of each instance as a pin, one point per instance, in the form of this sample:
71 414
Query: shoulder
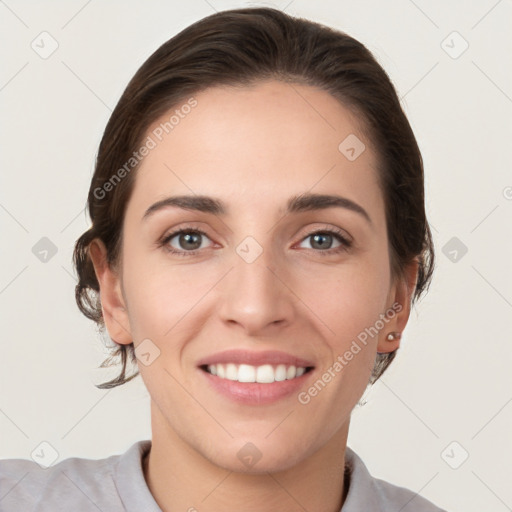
407 500
369 493
74 484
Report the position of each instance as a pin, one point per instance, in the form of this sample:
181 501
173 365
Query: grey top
117 483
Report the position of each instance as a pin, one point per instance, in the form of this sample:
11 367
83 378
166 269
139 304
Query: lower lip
255 393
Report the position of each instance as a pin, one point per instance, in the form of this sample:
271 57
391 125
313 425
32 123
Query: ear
112 300
399 300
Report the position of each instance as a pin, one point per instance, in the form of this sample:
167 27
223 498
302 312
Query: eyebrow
296 204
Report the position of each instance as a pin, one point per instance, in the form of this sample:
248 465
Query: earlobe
403 290
113 306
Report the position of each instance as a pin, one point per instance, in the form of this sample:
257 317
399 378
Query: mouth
264 374
252 378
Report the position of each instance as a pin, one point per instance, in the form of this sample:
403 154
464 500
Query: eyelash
345 243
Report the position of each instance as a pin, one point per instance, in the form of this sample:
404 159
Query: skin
253 148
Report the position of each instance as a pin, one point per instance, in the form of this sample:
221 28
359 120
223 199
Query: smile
264 374
249 377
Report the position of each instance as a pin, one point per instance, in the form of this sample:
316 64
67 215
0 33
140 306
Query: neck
180 478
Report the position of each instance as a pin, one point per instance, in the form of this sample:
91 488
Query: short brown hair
241 47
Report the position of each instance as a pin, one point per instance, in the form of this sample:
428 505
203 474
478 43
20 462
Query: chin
258 456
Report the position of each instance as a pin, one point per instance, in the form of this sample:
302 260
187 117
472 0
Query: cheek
349 299
160 295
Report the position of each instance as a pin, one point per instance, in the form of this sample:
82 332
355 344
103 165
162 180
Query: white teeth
221 372
246 373
280 372
263 374
231 372
290 373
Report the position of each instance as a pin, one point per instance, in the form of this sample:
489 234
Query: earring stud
393 336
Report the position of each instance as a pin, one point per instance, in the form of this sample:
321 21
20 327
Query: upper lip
253 358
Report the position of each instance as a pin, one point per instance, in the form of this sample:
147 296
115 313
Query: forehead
267 141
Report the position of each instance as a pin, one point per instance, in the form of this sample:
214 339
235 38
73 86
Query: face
255 290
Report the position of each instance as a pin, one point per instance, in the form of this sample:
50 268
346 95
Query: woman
277 149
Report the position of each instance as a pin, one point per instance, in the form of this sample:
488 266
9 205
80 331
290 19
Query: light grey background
451 381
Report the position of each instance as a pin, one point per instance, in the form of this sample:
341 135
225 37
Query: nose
256 296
